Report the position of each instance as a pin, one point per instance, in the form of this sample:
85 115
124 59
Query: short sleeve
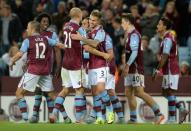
25 46
100 35
55 36
134 42
108 42
167 46
82 32
51 42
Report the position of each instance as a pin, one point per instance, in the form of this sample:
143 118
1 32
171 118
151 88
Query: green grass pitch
10 126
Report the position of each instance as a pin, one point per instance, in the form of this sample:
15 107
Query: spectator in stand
117 6
60 17
18 69
149 21
185 68
109 16
117 39
142 5
105 5
135 12
10 29
70 4
23 8
85 13
154 44
40 6
149 58
172 14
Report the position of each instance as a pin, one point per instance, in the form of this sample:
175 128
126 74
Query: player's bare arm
93 43
162 62
58 61
111 53
92 50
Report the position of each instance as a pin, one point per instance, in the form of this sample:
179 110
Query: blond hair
75 12
35 25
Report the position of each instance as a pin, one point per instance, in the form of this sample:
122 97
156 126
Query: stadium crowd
15 14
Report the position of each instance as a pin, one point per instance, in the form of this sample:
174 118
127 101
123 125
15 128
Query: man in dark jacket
10 29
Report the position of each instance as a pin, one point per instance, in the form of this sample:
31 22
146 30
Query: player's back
73 52
38 55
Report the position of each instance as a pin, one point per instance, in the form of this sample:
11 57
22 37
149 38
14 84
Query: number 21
67 41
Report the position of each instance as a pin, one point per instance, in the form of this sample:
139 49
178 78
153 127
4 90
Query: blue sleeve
132 57
100 36
134 42
51 42
134 45
109 43
86 55
55 36
82 32
25 46
167 46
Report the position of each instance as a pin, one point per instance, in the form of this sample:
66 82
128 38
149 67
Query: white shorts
170 81
30 81
73 78
97 75
134 80
110 82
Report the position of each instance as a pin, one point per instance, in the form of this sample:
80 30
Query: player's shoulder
47 33
71 26
167 40
135 35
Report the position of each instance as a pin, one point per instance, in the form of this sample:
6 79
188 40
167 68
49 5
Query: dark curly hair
42 15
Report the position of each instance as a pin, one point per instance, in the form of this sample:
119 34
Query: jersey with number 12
38 55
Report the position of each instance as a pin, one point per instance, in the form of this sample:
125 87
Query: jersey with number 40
73 52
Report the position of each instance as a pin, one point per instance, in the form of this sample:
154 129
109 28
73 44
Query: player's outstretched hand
155 74
76 36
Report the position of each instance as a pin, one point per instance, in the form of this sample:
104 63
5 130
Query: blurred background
15 14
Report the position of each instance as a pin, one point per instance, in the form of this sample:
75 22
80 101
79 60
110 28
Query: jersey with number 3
171 66
38 55
73 52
